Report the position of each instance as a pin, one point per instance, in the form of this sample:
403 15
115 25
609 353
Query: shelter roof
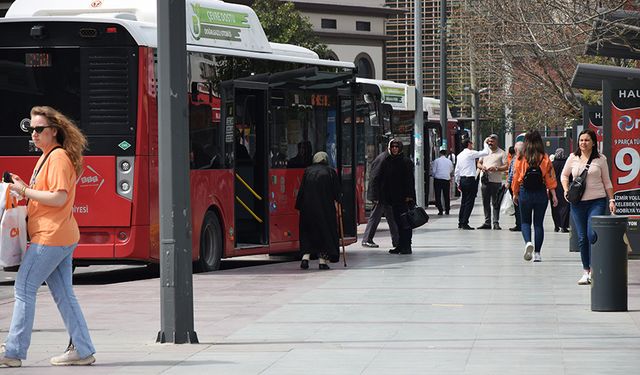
590 76
610 40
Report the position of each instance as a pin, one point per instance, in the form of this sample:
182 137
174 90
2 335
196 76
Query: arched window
331 56
365 66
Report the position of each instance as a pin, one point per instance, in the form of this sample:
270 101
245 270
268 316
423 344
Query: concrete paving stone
329 361
432 361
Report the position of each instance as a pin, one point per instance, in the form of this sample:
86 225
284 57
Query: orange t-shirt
520 167
54 226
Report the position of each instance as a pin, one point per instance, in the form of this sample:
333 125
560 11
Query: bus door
249 105
346 164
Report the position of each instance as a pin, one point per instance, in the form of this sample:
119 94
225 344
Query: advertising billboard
621 105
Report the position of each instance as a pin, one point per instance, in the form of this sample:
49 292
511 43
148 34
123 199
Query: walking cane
344 252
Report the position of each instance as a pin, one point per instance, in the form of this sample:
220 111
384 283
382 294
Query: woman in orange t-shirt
54 235
533 176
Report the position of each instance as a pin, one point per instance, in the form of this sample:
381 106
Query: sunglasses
37 129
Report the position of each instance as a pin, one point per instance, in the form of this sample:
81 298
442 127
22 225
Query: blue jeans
581 214
53 265
535 202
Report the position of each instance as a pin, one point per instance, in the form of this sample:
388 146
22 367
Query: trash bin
633 235
573 237
609 264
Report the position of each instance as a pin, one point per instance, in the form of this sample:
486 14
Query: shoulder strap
35 174
586 168
43 160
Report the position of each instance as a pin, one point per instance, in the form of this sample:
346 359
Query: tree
536 45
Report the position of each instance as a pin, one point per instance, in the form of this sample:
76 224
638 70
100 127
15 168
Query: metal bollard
573 237
609 264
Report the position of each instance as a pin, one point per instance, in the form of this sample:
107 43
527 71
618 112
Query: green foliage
282 23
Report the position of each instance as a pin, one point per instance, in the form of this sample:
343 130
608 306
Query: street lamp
475 113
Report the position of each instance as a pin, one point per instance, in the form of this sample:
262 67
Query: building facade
400 49
354 31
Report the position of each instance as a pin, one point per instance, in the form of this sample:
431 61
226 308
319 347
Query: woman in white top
594 200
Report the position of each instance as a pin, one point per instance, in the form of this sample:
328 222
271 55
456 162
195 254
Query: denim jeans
53 265
581 214
533 202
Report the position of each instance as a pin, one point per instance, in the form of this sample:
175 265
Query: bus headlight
124 186
124 176
125 166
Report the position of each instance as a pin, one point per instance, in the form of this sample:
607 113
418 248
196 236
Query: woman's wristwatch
612 200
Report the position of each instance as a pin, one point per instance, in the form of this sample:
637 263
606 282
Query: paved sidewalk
465 302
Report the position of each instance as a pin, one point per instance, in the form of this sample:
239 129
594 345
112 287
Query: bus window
205 133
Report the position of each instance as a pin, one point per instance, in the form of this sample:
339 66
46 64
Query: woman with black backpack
533 176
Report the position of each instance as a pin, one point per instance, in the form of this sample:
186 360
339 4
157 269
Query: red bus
257 111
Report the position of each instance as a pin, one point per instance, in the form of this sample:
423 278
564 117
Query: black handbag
416 217
577 186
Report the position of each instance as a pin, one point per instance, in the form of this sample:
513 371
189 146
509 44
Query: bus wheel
210 243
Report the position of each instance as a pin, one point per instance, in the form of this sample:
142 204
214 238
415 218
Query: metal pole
418 131
443 74
476 118
176 283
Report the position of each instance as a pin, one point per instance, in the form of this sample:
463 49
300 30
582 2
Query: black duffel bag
416 217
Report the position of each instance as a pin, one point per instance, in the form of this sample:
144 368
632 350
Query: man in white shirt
465 177
441 170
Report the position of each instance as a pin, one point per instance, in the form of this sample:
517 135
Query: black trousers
469 187
560 213
404 230
442 188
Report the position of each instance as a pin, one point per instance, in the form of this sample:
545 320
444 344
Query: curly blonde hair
68 135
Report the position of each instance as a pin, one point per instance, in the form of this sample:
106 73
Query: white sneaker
72 358
537 257
6 361
585 279
528 250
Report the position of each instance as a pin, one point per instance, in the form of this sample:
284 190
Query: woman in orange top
54 235
533 175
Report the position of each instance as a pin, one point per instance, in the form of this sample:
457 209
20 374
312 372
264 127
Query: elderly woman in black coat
317 199
560 213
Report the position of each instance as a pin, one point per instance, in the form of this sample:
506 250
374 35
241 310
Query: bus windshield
44 76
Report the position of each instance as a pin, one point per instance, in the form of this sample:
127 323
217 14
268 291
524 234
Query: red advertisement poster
625 150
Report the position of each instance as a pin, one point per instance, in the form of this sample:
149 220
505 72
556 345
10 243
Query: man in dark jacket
373 194
397 189
317 198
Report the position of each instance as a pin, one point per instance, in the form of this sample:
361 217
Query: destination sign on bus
37 60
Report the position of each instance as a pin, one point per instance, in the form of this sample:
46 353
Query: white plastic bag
506 206
3 196
13 232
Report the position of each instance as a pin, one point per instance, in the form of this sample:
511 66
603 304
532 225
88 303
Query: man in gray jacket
373 194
